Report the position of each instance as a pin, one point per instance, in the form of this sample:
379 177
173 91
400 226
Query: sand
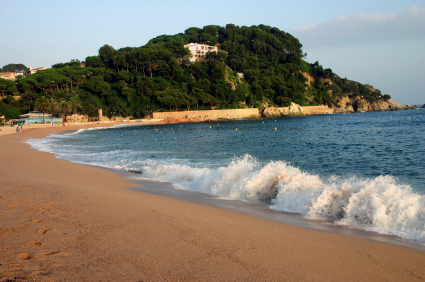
61 221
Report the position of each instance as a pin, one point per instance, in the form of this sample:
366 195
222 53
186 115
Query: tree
185 99
119 60
125 75
53 106
206 99
168 98
42 104
106 53
75 103
250 100
93 61
64 108
204 84
198 94
97 85
5 85
283 101
206 38
15 67
127 91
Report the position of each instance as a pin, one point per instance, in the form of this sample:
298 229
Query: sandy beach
61 221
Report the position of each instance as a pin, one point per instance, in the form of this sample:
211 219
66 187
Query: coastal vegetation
15 68
255 66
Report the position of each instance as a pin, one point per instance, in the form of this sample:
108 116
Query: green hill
160 77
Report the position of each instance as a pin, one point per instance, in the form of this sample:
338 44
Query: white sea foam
380 205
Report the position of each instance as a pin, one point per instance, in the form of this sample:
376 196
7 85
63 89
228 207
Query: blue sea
364 171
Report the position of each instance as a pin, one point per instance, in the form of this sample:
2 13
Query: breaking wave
380 205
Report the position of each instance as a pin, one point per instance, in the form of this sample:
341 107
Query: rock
358 104
345 106
271 112
394 105
295 110
24 256
379 105
410 107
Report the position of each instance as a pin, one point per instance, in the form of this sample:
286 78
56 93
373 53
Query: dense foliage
15 68
159 76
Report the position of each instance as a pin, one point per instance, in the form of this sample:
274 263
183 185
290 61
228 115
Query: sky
377 42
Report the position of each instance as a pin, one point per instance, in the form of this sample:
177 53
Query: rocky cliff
346 96
358 104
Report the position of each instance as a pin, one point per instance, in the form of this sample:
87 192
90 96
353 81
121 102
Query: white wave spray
380 205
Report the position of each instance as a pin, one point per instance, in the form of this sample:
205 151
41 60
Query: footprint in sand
24 256
48 252
43 231
40 272
35 243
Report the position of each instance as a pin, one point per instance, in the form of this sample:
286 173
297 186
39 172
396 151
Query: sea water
365 171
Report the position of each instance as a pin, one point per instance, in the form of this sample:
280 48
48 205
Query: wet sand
61 221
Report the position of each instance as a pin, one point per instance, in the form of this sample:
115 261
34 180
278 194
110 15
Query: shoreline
167 190
4 130
89 226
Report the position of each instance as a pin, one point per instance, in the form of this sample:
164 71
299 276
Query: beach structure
36 117
36 120
198 51
34 114
77 118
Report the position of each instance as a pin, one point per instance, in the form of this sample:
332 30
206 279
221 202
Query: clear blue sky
375 42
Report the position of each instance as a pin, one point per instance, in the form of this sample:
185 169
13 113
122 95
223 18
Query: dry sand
61 221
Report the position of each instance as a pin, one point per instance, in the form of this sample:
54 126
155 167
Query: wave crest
381 204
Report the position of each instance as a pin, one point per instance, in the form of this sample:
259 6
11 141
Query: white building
199 51
10 75
37 69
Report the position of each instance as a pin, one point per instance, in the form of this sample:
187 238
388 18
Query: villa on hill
199 51
36 69
10 75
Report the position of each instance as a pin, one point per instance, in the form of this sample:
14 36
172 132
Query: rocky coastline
345 105
358 104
